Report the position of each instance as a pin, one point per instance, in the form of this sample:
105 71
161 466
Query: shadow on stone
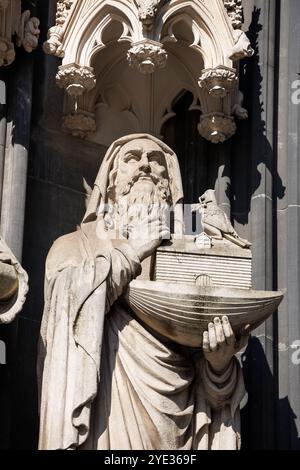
264 410
252 146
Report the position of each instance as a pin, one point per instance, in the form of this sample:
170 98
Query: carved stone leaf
147 56
216 127
62 12
219 81
235 12
147 11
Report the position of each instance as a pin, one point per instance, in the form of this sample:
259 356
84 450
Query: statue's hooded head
138 172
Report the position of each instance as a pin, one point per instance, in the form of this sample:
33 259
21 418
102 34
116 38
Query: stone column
13 161
16 154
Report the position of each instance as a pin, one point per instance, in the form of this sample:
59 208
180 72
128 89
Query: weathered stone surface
157 33
245 171
125 222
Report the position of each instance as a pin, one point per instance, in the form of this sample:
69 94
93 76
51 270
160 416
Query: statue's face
141 185
141 161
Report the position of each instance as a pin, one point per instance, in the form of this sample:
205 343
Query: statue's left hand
220 345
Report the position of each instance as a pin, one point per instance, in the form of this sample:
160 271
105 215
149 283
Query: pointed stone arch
201 37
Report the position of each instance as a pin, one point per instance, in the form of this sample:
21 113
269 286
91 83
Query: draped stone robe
107 382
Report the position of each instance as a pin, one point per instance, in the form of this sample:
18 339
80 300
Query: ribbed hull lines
182 313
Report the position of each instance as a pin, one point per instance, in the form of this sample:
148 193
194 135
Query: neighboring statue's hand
220 345
146 235
8 281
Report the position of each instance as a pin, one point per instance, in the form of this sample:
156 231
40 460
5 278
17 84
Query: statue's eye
131 158
156 158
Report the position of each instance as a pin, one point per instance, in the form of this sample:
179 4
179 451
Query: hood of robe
99 194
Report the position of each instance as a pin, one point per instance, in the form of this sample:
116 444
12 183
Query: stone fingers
219 331
213 344
205 343
219 334
229 335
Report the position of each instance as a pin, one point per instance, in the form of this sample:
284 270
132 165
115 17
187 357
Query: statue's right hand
146 235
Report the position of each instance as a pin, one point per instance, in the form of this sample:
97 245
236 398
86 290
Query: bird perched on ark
215 222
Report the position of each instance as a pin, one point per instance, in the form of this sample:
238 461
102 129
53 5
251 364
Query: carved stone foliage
28 32
79 124
219 81
63 8
157 38
146 56
75 79
235 12
216 127
53 45
147 11
16 28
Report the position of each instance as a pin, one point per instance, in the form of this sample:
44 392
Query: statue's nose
144 164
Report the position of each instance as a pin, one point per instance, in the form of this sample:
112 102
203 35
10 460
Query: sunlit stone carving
219 82
192 40
146 56
121 295
75 79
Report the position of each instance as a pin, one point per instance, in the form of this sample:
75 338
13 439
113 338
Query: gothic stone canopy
131 58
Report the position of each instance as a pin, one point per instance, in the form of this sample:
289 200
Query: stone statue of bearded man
107 380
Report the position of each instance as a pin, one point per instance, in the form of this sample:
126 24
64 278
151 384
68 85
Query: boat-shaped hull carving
181 312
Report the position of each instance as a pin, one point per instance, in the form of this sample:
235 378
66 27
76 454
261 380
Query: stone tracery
204 38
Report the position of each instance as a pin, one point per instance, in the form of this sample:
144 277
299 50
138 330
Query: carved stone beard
138 201
161 183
